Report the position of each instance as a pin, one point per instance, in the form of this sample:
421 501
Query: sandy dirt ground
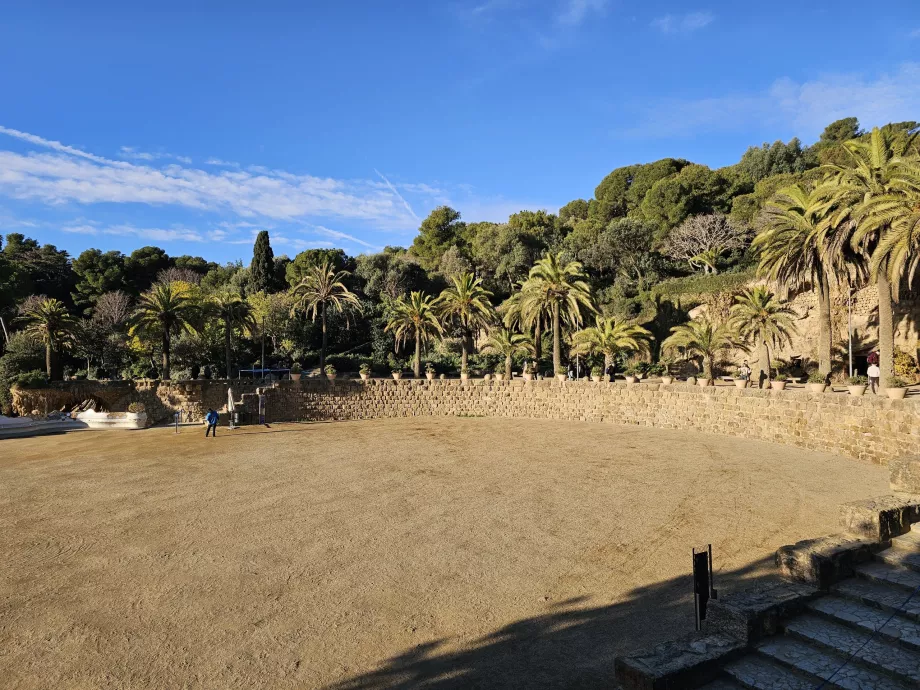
417 553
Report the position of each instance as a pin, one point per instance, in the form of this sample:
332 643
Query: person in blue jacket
211 418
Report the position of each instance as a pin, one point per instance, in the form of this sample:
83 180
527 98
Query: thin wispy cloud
66 174
915 33
574 12
154 234
806 107
133 153
683 23
335 234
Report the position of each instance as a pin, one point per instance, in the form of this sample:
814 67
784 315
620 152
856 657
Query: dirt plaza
419 552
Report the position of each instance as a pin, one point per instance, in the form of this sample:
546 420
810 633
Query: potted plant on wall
632 374
895 387
430 371
296 372
816 382
330 372
464 374
597 373
528 371
857 385
500 372
779 382
365 371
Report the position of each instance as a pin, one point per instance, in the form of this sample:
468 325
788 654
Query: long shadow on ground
573 645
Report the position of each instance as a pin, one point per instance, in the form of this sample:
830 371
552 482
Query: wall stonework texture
864 428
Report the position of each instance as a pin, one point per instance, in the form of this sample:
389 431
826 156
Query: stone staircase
864 633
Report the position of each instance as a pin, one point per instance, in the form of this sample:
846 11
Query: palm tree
868 177
528 315
416 318
167 309
560 286
899 211
466 305
235 312
47 321
609 337
795 246
504 341
321 287
701 337
758 316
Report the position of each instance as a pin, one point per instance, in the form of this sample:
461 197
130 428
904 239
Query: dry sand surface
435 553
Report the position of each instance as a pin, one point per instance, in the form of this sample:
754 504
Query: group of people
873 372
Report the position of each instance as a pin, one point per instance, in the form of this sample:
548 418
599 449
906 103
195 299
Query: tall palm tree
504 341
795 246
867 176
701 337
561 286
608 337
320 288
526 315
417 318
47 321
466 305
235 312
898 211
759 317
167 309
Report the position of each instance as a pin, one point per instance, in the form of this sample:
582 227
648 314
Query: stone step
722 684
909 541
762 673
820 665
876 653
885 574
900 558
885 597
899 630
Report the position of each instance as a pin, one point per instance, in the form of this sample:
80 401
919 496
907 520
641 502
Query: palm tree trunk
708 365
417 366
48 362
557 344
164 374
507 367
322 351
463 352
824 327
537 343
885 326
227 344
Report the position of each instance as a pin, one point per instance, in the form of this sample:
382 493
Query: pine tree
262 269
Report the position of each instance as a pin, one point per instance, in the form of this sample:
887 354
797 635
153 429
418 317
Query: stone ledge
686 663
880 518
755 613
824 561
904 474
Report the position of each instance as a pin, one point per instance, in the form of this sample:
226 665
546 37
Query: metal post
262 369
7 335
177 422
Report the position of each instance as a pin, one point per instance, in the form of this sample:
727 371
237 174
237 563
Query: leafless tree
702 240
112 310
176 274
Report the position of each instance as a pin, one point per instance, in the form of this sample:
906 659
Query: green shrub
295 368
702 284
31 379
816 377
329 370
858 380
895 382
136 407
781 377
905 366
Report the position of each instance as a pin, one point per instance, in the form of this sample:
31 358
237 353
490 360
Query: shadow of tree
573 645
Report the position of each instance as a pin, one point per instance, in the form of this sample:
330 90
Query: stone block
686 663
904 474
824 561
880 518
755 613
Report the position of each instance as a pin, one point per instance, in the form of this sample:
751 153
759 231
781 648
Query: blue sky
192 125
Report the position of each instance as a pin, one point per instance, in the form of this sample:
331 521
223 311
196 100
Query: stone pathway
866 617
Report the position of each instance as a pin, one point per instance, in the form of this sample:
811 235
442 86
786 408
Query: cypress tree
262 269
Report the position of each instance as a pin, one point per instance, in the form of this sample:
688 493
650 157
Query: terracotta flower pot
429 375
528 376
778 385
857 389
595 378
691 380
667 380
397 375
499 377
296 377
704 383
365 376
632 379
896 393
561 377
464 376
331 377
817 387
742 383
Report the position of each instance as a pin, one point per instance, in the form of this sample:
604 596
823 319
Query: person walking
874 373
211 418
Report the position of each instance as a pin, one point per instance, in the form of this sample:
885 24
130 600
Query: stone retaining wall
865 428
